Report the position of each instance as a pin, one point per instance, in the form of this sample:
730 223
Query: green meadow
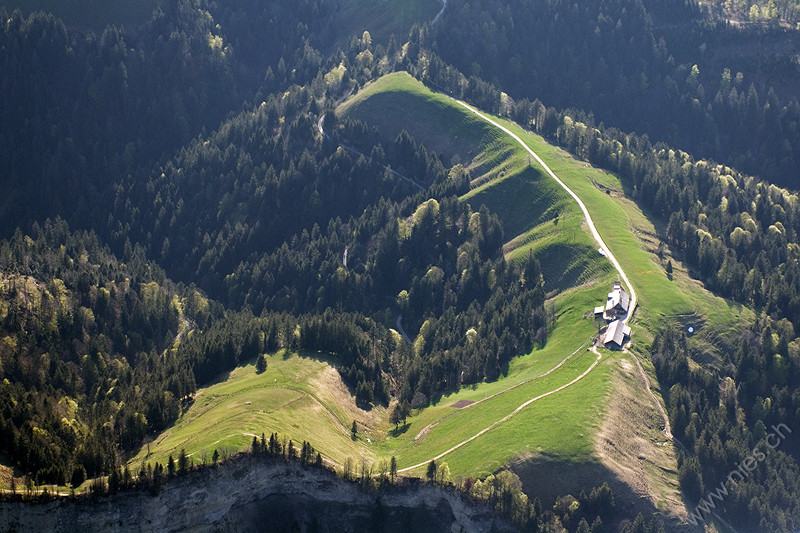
302 398
299 396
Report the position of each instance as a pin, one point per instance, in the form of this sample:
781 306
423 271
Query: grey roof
616 332
618 298
624 299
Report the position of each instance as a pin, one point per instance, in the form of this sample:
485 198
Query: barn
616 334
617 302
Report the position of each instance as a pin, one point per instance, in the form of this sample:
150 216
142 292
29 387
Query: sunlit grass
539 217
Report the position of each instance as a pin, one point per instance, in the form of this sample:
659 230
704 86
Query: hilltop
227 221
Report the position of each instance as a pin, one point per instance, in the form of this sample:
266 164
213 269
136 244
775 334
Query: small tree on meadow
431 474
261 364
394 417
183 462
443 474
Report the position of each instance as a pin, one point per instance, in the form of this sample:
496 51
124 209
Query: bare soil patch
460 404
631 444
332 390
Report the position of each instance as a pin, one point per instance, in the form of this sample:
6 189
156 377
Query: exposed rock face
250 494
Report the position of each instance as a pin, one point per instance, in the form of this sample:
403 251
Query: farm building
618 300
615 335
616 305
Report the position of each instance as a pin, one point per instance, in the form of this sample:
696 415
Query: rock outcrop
251 494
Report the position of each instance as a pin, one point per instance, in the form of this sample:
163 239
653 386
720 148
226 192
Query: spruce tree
431 474
183 462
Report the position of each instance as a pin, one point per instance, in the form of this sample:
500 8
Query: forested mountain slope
86 353
658 68
188 149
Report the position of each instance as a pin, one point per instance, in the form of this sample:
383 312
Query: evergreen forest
173 209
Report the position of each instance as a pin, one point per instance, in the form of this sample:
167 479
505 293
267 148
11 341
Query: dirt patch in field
460 404
632 455
632 445
332 391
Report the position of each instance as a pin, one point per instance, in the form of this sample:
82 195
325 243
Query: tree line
737 425
638 66
739 236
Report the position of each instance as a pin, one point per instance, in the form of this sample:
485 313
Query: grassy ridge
298 396
392 103
539 218
537 214
633 239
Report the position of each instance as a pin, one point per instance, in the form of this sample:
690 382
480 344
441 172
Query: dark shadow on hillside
565 266
442 129
522 201
222 377
399 430
548 477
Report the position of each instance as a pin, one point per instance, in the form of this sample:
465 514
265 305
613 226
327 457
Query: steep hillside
85 356
532 208
286 222
250 494
628 232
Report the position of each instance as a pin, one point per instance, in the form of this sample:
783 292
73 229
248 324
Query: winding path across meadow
586 215
606 251
611 257
508 416
603 247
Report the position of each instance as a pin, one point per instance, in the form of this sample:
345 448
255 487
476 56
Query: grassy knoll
392 104
298 396
537 214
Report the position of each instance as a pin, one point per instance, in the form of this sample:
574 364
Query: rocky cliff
250 494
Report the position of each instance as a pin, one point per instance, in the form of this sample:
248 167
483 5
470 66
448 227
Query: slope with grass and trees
190 264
